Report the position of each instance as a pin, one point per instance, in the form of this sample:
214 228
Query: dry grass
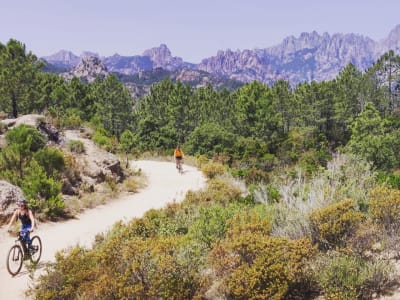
104 193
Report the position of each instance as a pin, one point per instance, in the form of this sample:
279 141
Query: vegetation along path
164 185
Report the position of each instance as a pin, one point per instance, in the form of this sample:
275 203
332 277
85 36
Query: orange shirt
178 153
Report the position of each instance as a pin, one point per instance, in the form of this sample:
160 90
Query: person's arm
12 219
32 219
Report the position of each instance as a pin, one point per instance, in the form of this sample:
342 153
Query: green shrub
346 277
210 226
390 180
3 127
332 225
27 137
51 159
76 146
71 121
43 192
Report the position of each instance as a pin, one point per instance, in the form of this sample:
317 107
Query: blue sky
191 29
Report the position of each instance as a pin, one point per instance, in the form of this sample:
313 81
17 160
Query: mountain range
308 57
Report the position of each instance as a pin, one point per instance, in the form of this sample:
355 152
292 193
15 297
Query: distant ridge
311 56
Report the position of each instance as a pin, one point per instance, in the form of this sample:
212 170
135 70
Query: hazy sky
191 29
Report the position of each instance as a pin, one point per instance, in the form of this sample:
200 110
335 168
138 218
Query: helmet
22 202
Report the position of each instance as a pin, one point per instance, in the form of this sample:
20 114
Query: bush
71 120
366 239
3 127
218 191
211 170
331 226
76 146
346 277
26 137
43 192
384 207
253 266
51 159
210 226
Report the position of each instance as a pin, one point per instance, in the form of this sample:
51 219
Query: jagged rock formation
88 70
310 56
161 58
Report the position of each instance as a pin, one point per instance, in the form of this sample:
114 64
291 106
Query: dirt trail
164 185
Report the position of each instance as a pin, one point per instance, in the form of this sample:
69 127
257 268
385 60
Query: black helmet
22 202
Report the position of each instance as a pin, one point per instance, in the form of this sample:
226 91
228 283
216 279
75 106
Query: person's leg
25 229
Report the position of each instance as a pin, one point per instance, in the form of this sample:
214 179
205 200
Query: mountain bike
21 251
179 166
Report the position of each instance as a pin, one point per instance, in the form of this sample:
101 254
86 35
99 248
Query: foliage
71 119
42 191
254 266
210 226
384 207
333 225
211 170
51 159
19 79
22 142
348 277
209 139
372 139
28 137
76 146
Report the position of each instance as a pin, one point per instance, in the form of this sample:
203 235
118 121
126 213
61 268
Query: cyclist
25 215
178 154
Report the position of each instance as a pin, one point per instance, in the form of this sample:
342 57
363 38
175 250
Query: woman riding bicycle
25 215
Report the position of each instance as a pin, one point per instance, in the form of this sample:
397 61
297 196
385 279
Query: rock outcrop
88 70
9 196
96 165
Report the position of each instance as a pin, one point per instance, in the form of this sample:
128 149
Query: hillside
84 227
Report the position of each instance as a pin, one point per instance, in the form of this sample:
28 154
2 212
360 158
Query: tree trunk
14 105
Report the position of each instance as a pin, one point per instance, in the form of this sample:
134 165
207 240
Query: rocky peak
161 57
63 57
88 69
392 42
229 62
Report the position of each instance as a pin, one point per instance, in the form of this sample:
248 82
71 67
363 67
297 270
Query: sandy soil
164 185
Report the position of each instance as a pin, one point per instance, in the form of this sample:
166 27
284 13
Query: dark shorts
178 157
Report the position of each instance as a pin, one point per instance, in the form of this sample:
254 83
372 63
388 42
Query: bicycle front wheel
15 259
35 250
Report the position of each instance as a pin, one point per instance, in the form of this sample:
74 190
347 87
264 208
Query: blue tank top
25 220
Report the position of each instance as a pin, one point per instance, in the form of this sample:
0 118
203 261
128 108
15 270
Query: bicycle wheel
35 250
15 259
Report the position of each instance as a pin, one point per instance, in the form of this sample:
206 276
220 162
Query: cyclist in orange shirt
178 154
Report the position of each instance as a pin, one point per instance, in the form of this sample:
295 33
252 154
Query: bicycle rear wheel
35 250
15 259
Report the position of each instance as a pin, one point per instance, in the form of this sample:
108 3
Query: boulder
9 196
